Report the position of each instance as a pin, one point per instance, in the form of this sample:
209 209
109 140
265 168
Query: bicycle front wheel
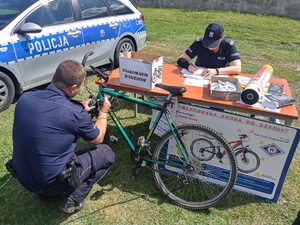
247 160
198 184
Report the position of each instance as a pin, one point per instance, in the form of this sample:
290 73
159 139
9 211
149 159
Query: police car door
39 54
100 30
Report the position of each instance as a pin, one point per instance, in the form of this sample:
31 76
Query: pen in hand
192 64
194 67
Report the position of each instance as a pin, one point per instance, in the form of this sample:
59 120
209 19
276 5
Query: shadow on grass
19 207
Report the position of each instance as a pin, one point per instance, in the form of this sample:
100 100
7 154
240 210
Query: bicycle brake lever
97 103
93 103
101 101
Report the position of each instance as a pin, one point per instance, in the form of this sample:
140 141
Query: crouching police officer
47 124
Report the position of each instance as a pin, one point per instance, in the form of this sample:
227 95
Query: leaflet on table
272 102
274 88
275 101
261 104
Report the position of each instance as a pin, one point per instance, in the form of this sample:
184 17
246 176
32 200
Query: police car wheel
7 91
124 45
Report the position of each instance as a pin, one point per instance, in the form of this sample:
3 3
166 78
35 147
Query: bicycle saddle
174 90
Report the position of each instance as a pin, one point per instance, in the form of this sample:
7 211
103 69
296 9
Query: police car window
118 8
91 9
11 9
53 13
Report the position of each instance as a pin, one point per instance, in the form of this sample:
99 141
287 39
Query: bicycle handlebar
104 74
100 73
243 135
88 54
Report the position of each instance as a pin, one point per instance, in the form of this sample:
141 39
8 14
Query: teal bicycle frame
185 173
162 110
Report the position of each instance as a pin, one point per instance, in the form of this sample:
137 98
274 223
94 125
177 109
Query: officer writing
214 52
47 124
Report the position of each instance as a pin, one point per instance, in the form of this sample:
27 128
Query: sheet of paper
196 82
197 72
196 77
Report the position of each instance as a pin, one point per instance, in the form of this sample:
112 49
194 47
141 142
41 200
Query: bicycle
181 177
247 160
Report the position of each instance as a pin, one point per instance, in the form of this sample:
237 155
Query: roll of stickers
256 85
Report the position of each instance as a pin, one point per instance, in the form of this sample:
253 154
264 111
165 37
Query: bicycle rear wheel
202 184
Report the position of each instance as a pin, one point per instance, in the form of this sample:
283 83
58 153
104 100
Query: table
201 95
274 143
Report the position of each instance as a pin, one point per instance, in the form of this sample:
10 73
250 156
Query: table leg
135 107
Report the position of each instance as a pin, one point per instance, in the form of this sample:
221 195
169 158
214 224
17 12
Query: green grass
260 39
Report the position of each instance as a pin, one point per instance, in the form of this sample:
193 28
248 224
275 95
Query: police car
36 35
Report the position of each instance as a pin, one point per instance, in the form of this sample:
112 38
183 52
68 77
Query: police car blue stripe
7 54
51 43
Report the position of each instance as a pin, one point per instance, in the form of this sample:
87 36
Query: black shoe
68 205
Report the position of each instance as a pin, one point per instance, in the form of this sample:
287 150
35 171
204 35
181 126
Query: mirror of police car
37 35
29 28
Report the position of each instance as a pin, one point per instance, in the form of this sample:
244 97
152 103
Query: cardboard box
140 70
226 95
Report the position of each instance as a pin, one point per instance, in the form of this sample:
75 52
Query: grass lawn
121 198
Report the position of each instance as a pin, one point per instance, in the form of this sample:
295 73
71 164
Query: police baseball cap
212 35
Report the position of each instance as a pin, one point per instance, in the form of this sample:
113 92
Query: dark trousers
93 164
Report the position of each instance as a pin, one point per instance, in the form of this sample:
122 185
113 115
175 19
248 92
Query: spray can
256 85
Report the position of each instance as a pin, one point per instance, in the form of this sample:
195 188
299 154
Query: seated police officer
47 124
214 52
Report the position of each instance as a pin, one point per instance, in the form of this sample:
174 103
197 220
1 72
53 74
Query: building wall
285 8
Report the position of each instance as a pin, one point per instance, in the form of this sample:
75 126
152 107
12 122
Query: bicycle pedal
113 138
144 163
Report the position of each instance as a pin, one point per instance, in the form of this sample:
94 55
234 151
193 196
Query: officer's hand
86 105
105 107
192 68
208 72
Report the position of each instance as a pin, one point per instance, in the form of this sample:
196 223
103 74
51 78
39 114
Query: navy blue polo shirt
46 127
206 58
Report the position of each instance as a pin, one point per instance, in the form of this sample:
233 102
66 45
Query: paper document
196 82
195 77
197 72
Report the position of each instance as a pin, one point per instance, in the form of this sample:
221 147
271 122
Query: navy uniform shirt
46 127
206 58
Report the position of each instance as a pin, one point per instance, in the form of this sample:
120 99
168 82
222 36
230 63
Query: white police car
36 35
